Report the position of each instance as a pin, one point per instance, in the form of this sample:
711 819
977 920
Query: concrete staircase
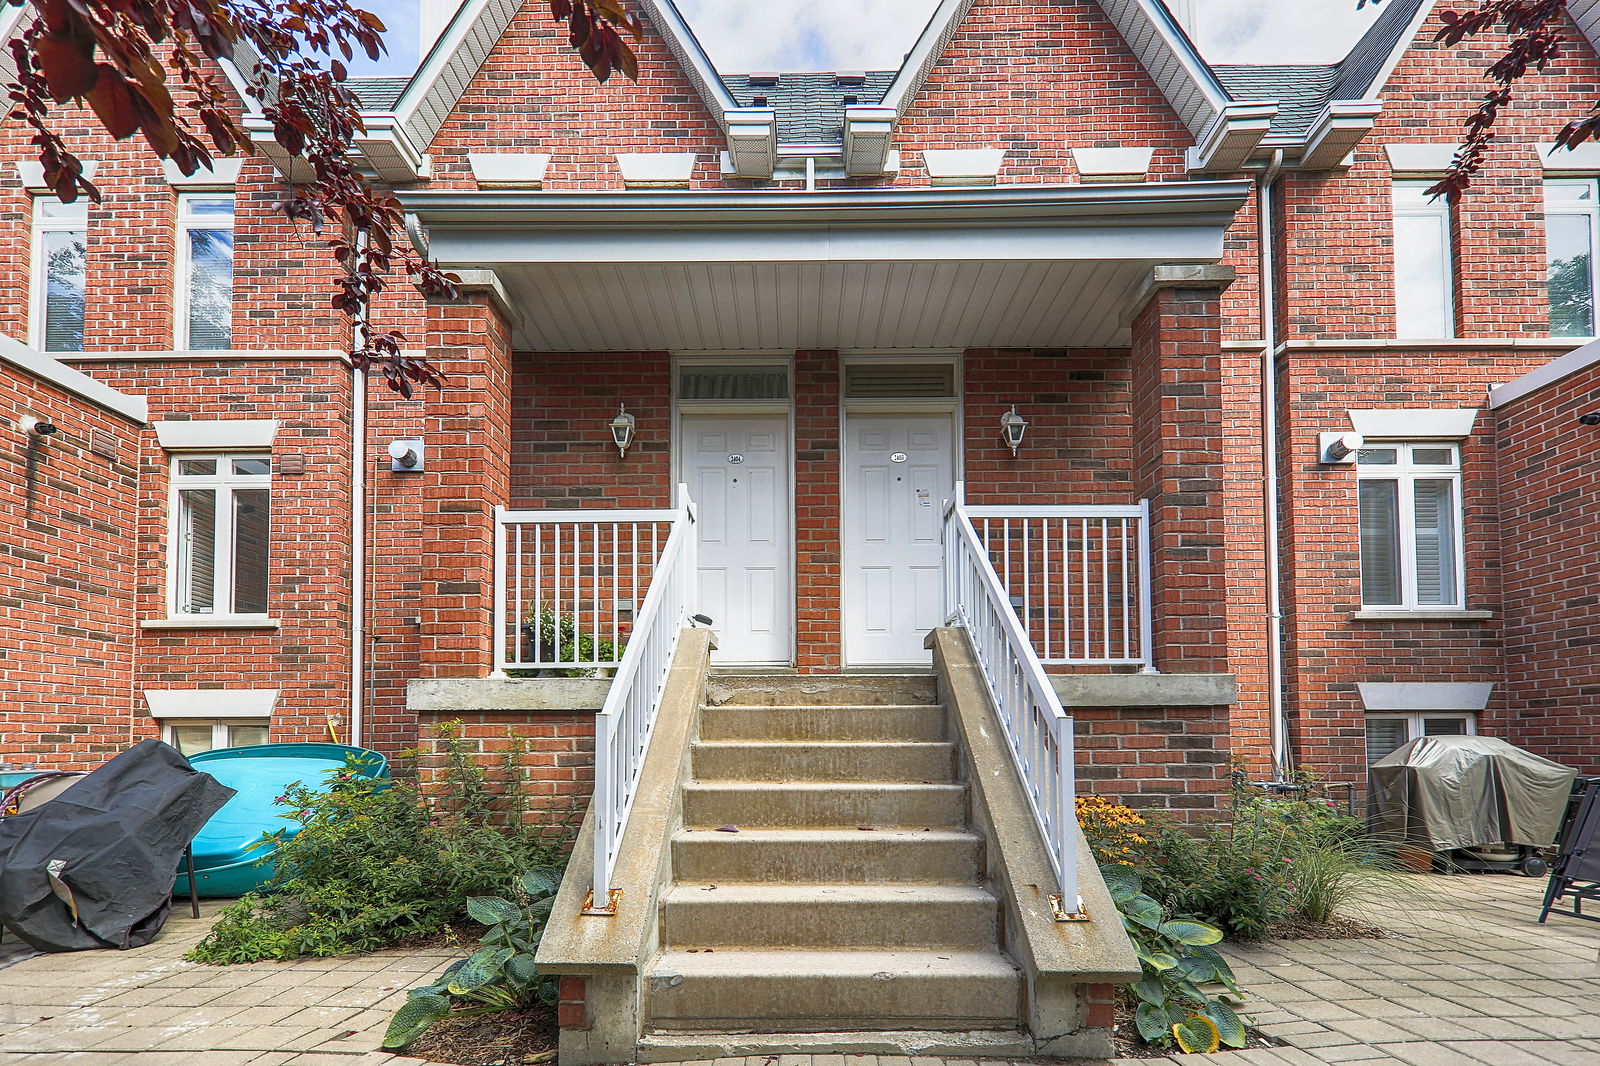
829 894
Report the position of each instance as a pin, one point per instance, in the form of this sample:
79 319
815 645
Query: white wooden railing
569 584
624 725
1037 730
1079 578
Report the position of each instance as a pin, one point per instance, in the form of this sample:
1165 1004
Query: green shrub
559 640
378 861
1186 982
500 975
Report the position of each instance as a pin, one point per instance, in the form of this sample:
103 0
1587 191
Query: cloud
1272 31
745 35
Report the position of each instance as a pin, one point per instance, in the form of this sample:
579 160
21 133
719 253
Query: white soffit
1414 423
1113 164
223 174
1584 159
508 170
1414 696
656 170
215 435
1422 159
214 703
31 173
963 166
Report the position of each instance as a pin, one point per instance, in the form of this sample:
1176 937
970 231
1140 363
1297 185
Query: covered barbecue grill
1451 795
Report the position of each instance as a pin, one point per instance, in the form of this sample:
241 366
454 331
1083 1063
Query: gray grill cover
94 867
1440 793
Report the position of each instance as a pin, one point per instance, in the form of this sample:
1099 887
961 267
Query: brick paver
148 1007
1467 977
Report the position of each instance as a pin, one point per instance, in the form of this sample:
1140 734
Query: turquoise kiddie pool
225 863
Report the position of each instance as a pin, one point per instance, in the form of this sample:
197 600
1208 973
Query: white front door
898 471
737 469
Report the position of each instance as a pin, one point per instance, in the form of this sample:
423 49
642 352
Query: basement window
1390 732
192 737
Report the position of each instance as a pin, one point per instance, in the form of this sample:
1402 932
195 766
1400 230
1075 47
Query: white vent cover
904 381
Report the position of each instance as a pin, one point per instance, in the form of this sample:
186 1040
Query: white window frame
1416 207
187 221
1592 212
224 482
1414 722
38 283
1407 474
219 729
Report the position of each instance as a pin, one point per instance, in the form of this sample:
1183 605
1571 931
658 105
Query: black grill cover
107 849
1440 793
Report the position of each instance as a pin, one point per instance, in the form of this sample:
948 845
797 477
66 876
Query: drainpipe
1269 457
358 552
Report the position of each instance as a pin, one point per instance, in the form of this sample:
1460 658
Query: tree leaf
492 910
481 969
1190 932
541 881
1197 1035
1122 883
1230 1029
1151 1022
415 1017
1146 911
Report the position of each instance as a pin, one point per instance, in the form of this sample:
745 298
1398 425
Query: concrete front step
826 805
816 690
971 1045
826 856
887 722
726 760
820 991
961 917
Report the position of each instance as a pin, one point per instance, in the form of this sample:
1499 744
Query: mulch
504 1038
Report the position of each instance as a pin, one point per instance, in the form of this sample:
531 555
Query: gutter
1123 204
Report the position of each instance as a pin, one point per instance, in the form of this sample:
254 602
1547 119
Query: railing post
499 669
1147 636
604 792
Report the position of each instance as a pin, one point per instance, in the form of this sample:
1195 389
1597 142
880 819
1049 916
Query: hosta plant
500 975
1186 982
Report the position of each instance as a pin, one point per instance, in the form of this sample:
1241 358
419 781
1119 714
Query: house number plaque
736 459
898 457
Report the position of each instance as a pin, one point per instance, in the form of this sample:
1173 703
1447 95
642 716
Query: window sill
1421 614
212 621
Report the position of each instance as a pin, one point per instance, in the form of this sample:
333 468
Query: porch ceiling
994 267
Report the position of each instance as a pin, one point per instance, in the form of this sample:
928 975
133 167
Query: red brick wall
1327 652
1549 502
1169 758
66 606
555 752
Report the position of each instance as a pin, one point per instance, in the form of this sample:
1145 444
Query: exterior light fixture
1339 447
1590 419
622 430
37 427
1013 427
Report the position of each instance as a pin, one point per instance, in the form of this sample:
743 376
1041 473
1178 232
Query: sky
745 35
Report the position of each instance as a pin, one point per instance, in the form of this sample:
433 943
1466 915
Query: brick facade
1174 418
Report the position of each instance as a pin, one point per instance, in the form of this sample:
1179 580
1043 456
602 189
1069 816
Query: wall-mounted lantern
1013 427
622 430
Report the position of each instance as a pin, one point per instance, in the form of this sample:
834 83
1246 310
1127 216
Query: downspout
358 553
1278 722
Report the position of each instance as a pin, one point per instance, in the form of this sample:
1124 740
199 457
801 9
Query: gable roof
810 105
1301 90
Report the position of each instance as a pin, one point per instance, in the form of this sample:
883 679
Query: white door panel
737 469
898 471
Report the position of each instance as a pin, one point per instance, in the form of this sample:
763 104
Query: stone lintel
1145 690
